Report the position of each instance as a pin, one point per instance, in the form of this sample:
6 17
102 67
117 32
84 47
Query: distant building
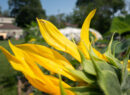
8 30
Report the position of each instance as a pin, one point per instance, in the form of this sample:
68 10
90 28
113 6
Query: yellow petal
95 35
47 53
85 37
22 55
56 82
49 59
16 63
34 72
43 87
85 28
54 38
22 62
128 65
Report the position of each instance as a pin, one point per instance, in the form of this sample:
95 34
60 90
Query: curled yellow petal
47 53
85 42
41 86
56 82
19 65
34 71
22 62
49 59
128 65
16 63
85 28
54 38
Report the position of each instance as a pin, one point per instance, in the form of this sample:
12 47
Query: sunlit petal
85 42
49 59
54 38
56 82
32 72
128 65
85 28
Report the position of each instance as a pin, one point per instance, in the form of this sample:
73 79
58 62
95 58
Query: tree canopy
0 10
25 11
105 12
57 20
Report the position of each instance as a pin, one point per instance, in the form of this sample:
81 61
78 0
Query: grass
8 78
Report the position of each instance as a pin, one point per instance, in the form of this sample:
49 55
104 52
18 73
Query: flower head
27 57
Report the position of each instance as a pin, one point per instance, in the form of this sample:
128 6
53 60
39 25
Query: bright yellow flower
28 56
24 63
85 37
128 65
49 59
56 39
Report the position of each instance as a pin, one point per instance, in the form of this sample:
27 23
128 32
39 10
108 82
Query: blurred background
18 23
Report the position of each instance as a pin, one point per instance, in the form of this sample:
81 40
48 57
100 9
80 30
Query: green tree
58 20
0 10
105 12
5 13
53 19
26 11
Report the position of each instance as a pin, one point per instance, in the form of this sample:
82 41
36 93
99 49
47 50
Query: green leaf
107 80
87 64
109 83
128 92
103 65
99 63
61 87
86 90
120 24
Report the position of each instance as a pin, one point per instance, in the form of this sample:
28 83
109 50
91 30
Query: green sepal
110 57
82 76
87 64
86 90
114 47
125 78
61 86
89 68
126 87
107 80
103 65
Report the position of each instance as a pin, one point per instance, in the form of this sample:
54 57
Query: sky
52 7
